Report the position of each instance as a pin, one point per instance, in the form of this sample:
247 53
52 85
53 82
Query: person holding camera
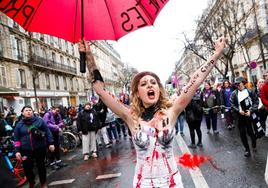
31 138
244 102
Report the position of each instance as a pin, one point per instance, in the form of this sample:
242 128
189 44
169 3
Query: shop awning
4 91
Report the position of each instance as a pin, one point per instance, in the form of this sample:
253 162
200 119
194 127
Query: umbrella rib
27 27
110 17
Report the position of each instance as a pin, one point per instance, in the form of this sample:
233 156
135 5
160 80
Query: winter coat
101 110
264 95
225 96
194 110
31 134
210 99
49 118
252 95
88 121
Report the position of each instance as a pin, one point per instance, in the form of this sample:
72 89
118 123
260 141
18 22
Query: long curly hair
137 107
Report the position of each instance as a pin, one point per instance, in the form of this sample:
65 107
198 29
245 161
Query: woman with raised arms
151 119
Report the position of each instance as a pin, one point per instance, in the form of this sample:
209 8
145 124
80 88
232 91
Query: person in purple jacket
55 124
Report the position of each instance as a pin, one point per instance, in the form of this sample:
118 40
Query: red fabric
264 95
103 19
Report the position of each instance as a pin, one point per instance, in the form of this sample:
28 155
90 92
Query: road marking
266 171
108 176
196 174
60 182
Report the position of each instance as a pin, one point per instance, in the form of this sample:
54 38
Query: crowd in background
36 135
241 106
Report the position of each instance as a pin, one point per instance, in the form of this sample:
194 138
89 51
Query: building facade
244 24
42 71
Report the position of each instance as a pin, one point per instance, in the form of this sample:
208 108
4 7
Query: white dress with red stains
156 165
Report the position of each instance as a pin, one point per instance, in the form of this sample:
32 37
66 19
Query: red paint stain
155 154
191 161
182 102
139 178
172 181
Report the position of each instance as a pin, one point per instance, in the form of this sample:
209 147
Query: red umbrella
73 20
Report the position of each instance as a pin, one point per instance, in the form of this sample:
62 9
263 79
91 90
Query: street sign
253 64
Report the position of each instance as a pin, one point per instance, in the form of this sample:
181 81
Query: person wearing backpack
88 123
210 101
244 103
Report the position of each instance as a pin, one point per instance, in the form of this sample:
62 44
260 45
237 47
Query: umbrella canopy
73 20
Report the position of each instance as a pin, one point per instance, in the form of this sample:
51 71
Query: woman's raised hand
220 45
83 46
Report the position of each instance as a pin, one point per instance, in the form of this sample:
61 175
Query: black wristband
97 76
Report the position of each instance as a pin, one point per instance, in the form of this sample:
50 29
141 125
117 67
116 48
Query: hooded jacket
49 118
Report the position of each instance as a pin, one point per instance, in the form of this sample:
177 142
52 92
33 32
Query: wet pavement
229 167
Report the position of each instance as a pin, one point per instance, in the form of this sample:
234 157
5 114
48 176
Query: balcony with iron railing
249 35
41 61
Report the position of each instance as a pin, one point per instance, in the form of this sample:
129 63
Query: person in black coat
194 114
245 103
88 123
101 110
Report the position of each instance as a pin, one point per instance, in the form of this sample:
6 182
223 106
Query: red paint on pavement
191 161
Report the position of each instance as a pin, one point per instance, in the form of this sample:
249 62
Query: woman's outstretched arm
197 79
98 84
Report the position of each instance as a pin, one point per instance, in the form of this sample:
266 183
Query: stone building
247 34
41 70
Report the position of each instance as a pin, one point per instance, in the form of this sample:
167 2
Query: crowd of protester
242 107
36 136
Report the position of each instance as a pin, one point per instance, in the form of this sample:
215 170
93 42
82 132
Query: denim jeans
111 130
180 120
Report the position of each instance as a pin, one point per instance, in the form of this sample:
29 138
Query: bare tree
227 18
126 76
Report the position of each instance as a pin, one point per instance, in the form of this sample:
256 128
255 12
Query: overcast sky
158 48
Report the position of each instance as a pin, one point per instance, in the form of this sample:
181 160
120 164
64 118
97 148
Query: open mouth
151 94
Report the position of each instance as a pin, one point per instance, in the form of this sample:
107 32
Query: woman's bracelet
97 76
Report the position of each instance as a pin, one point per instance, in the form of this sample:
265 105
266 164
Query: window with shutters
18 49
3 76
57 82
21 78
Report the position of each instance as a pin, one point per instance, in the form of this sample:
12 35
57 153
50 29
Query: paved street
230 168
